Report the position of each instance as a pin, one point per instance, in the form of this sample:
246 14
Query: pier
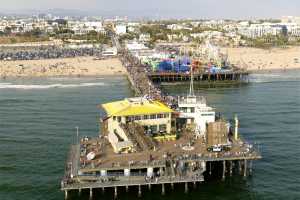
111 170
147 83
231 76
128 157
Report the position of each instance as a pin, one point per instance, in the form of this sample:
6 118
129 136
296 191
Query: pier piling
224 170
245 168
140 191
172 186
240 166
186 187
230 170
116 193
91 193
163 189
66 194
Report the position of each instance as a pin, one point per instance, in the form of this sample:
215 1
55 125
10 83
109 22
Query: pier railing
132 181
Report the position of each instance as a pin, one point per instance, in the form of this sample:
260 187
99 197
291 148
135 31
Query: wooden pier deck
88 175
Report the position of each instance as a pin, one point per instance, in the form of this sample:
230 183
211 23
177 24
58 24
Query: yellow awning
135 106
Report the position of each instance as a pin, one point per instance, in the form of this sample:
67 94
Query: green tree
7 30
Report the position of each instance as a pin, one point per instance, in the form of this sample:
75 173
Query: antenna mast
192 83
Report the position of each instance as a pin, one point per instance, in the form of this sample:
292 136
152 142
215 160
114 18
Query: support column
172 186
66 194
236 128
250 167
245 168
91 193
116 193
224 170
140 191
163 189
103 190
149 186
240 167
209 168
126 188
186 187
194 184
79 192
230 168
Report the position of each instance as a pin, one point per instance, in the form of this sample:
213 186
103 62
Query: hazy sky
185 8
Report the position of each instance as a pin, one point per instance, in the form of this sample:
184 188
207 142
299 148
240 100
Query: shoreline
273 70
63 76
25 77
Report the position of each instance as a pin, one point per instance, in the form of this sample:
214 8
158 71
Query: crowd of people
38 53
144 86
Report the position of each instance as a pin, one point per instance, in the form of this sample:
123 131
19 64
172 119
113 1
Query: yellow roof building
135 106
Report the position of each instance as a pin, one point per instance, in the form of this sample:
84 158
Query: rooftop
135 106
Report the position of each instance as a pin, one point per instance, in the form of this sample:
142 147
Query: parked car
215 148
219 148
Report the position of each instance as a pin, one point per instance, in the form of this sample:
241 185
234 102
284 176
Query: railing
129 165
191 100
131 181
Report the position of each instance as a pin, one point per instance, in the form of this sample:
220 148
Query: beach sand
79 66
254 59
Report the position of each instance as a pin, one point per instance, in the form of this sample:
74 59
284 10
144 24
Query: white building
153 116
194 109
207 34
133 26
293 29
259 30
145 37
135 46
110 51
121 29
178 27
81 28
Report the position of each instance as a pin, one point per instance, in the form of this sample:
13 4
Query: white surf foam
29 87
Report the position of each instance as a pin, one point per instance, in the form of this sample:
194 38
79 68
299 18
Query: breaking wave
29 87
73 78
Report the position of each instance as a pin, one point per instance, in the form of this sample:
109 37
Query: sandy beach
254 59
79 66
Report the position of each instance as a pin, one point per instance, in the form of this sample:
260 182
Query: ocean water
38 119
